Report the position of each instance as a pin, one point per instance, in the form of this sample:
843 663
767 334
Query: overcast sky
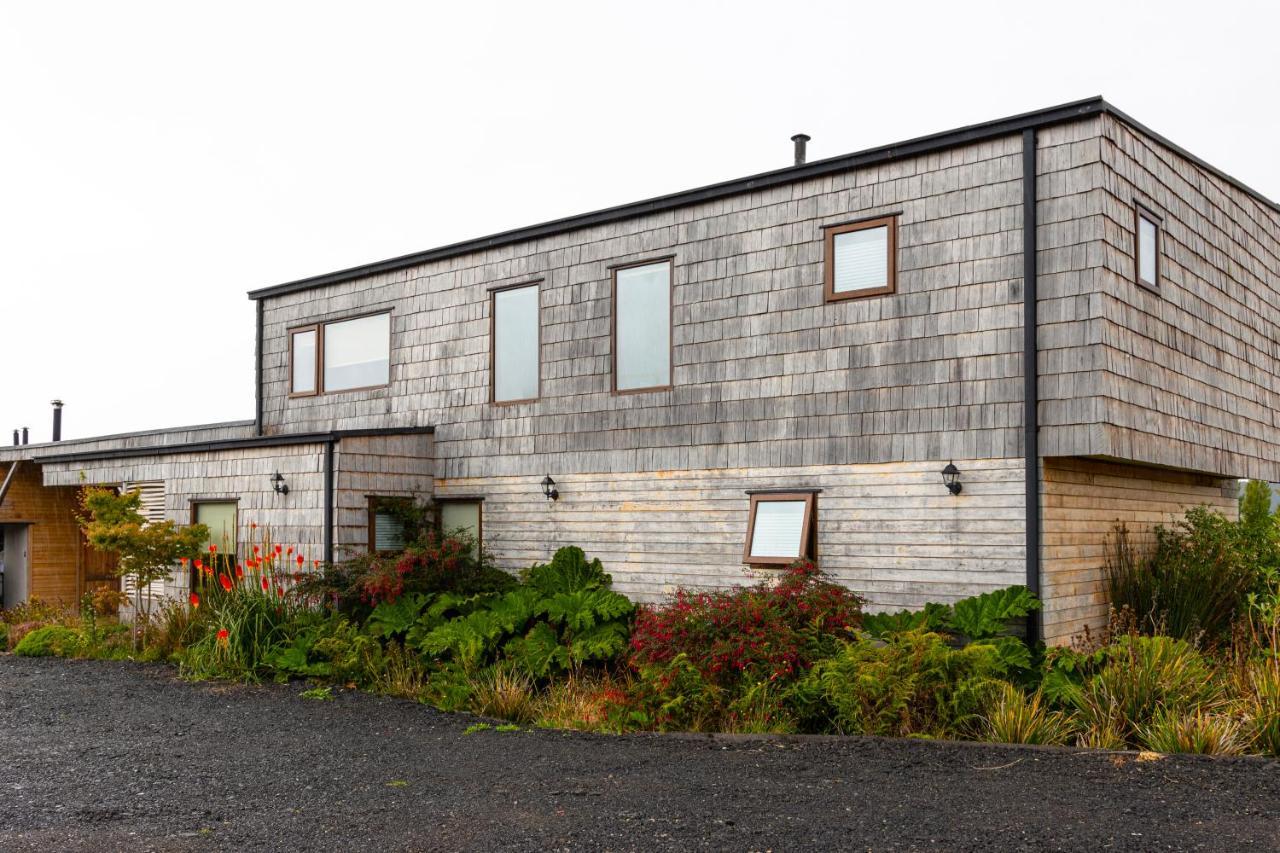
159 160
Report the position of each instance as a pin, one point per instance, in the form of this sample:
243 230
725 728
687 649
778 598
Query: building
718 379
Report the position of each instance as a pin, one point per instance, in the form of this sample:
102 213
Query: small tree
113 522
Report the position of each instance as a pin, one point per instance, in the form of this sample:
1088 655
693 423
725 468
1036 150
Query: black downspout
328 500
1030 376
257 374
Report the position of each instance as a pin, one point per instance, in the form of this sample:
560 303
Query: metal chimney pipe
15 438
57 420
25 436
800 139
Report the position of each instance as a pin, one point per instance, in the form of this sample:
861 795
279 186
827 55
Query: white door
16 581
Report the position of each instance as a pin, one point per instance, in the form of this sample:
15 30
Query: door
17 578
97 568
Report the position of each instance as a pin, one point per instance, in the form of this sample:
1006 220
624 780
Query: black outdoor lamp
951 478
278 484
549 488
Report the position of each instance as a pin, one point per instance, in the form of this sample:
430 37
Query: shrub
912 683
503 692
578 701
1196 732
765 632
49 641
1259 691
1015 717
243 628
1196 580
672 695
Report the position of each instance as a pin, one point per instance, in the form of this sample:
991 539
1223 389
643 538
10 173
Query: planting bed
105 756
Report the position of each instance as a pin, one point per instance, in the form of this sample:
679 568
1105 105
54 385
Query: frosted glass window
357 353
388 531
779 529
515 344
303 362
642 327
461 515
220 518
862 260
1147 241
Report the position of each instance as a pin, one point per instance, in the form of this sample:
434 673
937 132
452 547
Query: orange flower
265 585
223 635
257 550
300 561
199 564
289 552
226 582
195 601
239 571
183 561
278 549
315 564
213 549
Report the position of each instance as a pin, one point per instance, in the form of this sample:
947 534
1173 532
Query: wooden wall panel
53 539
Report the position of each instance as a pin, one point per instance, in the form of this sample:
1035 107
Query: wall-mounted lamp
951 478
278 484
549 488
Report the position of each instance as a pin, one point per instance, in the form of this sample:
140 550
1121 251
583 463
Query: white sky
158 160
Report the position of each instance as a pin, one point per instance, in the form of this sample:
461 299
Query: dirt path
107 756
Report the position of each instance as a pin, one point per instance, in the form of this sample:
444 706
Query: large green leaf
393 619
539 651
988 615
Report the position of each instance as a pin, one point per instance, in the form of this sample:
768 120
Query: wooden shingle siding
766 373
385 466
1082 502
891 532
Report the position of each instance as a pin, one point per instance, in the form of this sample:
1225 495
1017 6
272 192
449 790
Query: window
462 514
782 527
304 366
642 327
220 518
514 349
386 523
344 355
860 259
1147 251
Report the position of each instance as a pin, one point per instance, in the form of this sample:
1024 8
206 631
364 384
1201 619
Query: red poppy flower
195 600
226 582
300 560
223 635
265 585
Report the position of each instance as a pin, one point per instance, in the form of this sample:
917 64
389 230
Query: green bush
1015 717
49 641
911 684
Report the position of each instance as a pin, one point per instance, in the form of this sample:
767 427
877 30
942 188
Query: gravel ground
107 756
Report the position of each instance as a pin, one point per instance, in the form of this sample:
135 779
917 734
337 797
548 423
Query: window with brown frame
642 326
514 338
782 527
860 258
352 354
221 516
1146 247
386 523
464 515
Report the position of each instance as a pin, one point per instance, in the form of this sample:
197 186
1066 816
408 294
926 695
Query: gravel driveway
107 756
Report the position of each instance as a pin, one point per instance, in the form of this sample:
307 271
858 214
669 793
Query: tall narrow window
1147 260
357 353
860 259
515 351
642 327
342 355
463 515
221 519
782 528
304 364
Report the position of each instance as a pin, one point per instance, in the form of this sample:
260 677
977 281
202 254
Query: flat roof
817 168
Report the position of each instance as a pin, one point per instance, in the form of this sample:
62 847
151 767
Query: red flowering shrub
762 633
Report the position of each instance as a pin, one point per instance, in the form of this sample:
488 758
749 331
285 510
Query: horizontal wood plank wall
53 538
765 372
890 532
1190 374
399 465
1083 500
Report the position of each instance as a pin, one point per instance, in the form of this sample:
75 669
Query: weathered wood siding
1083 501
385 466
1189 376
53 538
891 532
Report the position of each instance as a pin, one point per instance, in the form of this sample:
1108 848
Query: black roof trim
817 168
227 444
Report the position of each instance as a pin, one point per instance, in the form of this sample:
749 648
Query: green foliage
328 647
240 632
322 694
1015 717
981 617
1197 732
912 684
476 727
394 618
673 695
49 641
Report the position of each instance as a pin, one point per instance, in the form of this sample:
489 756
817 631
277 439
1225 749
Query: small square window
463 515
386 523
860 259
782 528
1147 249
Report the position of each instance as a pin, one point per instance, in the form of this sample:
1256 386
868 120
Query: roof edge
817 168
